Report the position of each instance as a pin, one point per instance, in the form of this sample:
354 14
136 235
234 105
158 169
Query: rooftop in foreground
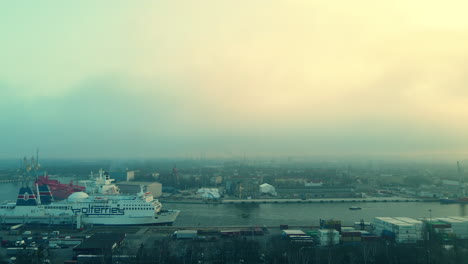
101 242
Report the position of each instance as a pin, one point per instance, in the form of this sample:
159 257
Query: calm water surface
292 214
304 214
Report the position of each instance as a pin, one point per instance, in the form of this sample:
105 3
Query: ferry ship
36 206
101 185
60 191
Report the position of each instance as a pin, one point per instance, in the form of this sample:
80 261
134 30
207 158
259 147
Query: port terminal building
132 187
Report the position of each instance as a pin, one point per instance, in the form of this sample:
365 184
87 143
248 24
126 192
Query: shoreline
286 201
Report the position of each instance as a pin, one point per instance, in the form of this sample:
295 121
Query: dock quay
329 200
285 201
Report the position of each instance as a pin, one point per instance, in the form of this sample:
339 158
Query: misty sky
163 78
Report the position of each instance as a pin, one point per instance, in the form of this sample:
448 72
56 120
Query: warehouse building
131 187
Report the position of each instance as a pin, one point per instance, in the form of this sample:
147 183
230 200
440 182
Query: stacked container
364 234
350 236
347 229
331 224
459 225
381 223
401 231
291 232
297 236
363 226
406 233
328 237
419 226
461 218
440 227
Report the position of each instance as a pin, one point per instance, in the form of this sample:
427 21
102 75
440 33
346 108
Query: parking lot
58 243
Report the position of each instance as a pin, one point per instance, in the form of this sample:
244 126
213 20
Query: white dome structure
209 193
77 197
267 189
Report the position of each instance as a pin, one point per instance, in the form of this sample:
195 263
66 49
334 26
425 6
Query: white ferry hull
164 218
41 220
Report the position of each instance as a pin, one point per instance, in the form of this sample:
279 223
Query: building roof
293 232
101 242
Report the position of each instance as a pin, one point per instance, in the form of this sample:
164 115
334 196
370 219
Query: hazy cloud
121 79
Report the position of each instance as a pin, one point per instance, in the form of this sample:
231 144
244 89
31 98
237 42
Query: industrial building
310 193
131 187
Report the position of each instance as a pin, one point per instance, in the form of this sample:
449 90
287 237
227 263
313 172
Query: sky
219 78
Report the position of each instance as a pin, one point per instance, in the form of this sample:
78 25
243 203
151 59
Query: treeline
275 250
278 251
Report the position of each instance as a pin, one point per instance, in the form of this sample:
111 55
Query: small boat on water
355 208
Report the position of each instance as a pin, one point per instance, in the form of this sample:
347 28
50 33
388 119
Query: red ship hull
60 191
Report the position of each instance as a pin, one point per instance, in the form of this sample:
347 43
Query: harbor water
305 214
295 214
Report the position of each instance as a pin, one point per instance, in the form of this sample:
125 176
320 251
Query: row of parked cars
51 240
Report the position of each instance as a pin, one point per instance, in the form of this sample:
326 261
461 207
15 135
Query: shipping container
291 232
230 233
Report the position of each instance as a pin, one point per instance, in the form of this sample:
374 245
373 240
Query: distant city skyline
122 79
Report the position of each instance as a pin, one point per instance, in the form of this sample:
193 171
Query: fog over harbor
219 131
118 79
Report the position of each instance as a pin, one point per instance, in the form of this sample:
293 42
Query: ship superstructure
101 185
